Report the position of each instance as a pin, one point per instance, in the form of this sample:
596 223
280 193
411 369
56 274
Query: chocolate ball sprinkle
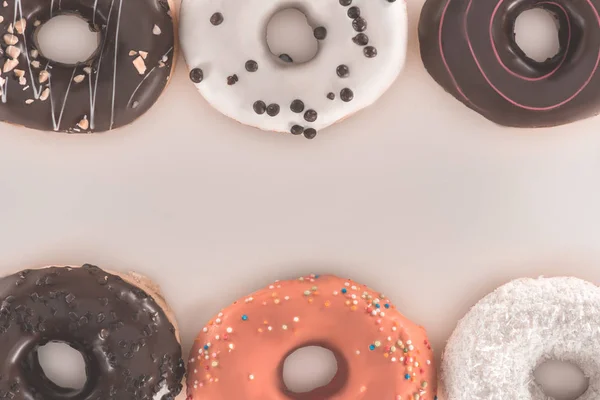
297 130
196 75
361 39
251 66
286 58
370 52
343 71
320 33
260 107
310 133
297 106
359 24
216 19
273 110
346 95
331 96
310 115
354 12
232 80
345 3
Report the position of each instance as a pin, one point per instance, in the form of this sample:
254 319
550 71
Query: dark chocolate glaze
469 48
129 346
112 92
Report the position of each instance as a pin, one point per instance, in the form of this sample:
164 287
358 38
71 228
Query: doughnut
496 347
361 51
119 323
469 48
380 353
120 81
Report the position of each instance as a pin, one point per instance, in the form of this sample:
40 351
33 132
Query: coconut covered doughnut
120 81
362 47
380 354
119 323
496 347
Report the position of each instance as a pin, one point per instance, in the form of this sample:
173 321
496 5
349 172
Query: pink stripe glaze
513 102
443 55
519 75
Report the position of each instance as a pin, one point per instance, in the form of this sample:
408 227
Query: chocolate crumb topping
361 39
297 106
343 71
346 95
354 12
310 133
251 66
310 115
320 33
259 107
359 24
370 52
297 130
216 19
273 110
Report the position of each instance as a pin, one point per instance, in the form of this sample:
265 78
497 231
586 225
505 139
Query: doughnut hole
63 365
290 37
67 39
536 34
313 371
561 380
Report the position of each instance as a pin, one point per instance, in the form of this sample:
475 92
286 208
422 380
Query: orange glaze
381 355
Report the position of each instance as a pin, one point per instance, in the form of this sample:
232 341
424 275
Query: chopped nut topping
22 81
5 4
28 101
19 73
13 52
156 30
44 75
132 52
45 94
84 123
37 23
2 80
20 26
140 65
87 70
9 65
79 78
1 19
35 64
161 64
10 29
144 54
10 40
34 53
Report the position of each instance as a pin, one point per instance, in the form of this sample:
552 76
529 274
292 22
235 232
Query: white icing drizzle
146 77
95 91
55 123
222 51
34 88
94 15
112 111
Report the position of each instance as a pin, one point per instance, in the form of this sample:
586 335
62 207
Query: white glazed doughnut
496 347
224 44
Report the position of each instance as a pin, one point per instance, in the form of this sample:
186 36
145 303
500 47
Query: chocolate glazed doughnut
120 81
469 48
129 345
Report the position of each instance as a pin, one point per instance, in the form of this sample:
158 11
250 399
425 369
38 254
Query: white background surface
417 197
